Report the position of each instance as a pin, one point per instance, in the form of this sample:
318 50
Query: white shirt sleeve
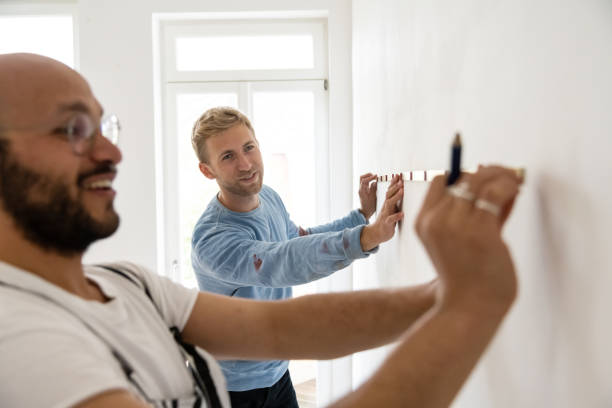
55 365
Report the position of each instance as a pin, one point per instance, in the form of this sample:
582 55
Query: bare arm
344 323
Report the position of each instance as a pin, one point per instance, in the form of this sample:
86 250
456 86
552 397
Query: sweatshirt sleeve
353 219
230 254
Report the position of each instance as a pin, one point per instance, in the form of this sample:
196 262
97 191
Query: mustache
102 168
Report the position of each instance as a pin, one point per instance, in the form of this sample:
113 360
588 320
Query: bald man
118 335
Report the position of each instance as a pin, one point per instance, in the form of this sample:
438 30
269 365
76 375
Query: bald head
33 87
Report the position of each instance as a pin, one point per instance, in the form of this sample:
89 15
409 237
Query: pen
455 169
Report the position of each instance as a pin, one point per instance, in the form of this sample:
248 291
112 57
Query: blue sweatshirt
260 255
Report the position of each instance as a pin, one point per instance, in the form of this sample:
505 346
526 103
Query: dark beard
44 211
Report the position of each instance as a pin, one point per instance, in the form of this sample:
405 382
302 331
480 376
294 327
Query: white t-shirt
50 358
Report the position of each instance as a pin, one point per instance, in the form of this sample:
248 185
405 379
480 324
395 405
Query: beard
44 211
239 189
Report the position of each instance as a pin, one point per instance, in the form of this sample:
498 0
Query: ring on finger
488 206
462 190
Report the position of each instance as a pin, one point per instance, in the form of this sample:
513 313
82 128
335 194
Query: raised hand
383 228
367 194
460 227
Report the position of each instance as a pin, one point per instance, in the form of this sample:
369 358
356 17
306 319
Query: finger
374 187
364 177
393 187
462 204
396 184
485 174
395 218
394 199
367 182
497 193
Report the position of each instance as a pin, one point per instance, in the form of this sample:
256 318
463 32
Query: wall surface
528 83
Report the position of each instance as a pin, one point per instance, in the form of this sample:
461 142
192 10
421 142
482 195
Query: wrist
478 299
365 214
368 238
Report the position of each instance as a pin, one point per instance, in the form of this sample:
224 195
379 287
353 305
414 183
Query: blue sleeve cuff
360 219
351 239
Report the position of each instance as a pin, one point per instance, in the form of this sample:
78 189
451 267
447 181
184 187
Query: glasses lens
80 128
110 128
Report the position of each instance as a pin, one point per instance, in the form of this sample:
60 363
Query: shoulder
271 198
211 214
269 193
127 274
123 273
139 285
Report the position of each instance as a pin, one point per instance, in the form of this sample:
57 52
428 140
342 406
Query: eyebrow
78 107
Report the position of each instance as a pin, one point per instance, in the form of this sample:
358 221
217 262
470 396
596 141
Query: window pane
46 35
284 125
244 52
195 191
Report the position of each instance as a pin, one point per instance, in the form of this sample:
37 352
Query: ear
207 171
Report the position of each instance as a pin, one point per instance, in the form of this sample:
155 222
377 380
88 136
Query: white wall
528 82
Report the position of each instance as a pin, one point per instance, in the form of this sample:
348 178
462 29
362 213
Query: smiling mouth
100 184
249 178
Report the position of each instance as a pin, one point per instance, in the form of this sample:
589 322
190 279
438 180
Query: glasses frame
109 127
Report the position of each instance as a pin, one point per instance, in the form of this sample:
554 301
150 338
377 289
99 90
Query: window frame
244 82
175 29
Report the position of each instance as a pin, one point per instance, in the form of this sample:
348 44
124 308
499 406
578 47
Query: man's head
225 144
54 187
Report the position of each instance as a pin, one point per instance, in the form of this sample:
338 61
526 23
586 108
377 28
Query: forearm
247 262
432 361
309 327
345 322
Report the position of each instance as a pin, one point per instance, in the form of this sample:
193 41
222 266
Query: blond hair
212 122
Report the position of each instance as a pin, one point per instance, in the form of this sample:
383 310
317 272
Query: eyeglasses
81 130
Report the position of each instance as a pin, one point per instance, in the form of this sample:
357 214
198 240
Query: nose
104 150
244 163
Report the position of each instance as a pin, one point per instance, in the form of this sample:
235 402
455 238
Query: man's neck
238 203
63 271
